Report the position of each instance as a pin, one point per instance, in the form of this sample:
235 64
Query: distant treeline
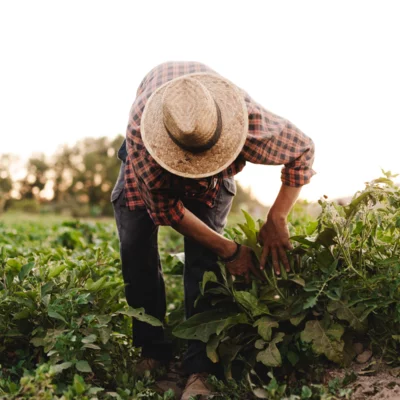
76 181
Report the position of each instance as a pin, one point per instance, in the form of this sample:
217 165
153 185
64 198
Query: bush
342 287
25 205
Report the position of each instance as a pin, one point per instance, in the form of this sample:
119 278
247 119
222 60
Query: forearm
285 201
193 228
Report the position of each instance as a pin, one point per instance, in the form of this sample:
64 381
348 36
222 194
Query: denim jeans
143 277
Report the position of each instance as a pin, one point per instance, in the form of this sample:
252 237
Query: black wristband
234 256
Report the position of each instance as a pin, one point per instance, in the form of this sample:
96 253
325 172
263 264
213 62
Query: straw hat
195 125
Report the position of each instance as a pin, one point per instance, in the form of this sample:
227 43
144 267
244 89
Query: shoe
197 386
174 379
146 364
165 384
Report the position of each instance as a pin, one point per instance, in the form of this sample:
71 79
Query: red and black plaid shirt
271 140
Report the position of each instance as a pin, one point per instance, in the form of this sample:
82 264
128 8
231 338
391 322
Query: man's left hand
274 237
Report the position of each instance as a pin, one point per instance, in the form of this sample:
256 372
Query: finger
275 261
257 272
284 259
264 255
260 237
255 267
289 245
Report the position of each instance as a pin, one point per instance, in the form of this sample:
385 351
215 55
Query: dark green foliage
343 286
65 327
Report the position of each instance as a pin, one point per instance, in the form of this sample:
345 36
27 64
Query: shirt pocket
230 185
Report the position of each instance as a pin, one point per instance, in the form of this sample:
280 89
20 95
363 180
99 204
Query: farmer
190 131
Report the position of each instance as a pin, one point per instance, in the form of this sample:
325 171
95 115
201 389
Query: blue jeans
142 272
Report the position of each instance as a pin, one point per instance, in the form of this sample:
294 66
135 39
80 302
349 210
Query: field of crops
329 329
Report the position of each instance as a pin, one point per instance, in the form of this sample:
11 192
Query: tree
85 174
36 177
6 182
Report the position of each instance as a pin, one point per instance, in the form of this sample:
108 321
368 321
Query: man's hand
244 264
274 237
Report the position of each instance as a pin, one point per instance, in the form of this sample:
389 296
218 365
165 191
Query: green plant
62 304
343 284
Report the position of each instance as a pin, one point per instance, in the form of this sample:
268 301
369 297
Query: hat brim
184 163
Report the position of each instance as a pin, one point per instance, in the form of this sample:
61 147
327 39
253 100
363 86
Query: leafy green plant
65 327
343 284
62 304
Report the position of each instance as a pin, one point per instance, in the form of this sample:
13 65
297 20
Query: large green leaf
264 327
271 357
305 241
96 286
55 271
201 326
325 338
251 303
311 227
211 348
140 315
105 334
236 319
14 264
61 367
83 366
296 320
249 229
326 237
310 302
353 315
25 269
249 220
46 288
89 339
208 276
56 315
353 206
326 261
298 279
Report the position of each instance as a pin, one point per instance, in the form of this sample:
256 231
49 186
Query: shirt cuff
295 177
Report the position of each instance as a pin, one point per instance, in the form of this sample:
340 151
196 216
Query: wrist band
234 256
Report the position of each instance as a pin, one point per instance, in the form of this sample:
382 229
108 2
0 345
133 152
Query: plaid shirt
271 140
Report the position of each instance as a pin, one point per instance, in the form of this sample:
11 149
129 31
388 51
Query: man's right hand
244 264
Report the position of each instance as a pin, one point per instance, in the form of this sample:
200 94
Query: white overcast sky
70 69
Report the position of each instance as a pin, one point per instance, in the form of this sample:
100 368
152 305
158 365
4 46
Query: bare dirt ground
375 381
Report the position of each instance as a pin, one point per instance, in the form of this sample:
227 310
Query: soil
375 381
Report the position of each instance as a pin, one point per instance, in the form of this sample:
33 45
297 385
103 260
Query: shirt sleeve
273 140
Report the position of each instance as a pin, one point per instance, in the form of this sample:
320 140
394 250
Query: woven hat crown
191 115
195 125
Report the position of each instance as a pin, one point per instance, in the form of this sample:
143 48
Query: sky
70 69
